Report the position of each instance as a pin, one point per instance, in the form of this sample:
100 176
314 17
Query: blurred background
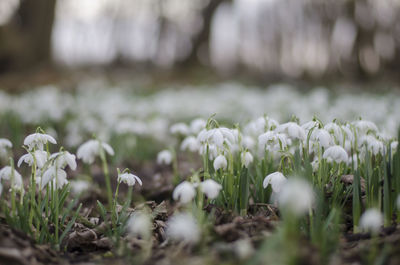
267 39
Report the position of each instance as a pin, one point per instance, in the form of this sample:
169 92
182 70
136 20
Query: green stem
107 178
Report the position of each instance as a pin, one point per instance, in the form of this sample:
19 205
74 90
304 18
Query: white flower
79 186
321 136
334 130
129 179
65 158
4 145
179 129
184 192
293 130
248 142
247 158
371 220
38 140
296 196
210 188
276 179
212 150
183 227
336 153
7 173
38 155
372 144
164 157
191 144
217 136
90 149
197 125
55 174
309 125
220 162
272 141
365 126
139 224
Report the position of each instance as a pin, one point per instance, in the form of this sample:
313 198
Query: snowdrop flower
373 144
334 130
4 145
65 158
247 158
296 196
220 162
248 142
139 224
217 136
364 127
90 149
197 125
179 129
164 157
129 179
38 140
337 154
184 192
190 143
183 227
38 155
293 130
210 188
371 220
79 186
322 137
276 179
309 125
212 150
272 141
55 174
7 174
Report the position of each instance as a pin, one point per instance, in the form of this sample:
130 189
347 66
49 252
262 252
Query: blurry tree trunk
202 38
26 40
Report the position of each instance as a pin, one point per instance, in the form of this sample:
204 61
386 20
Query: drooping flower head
247 158
371 220
90 149
276 179
38 156
129 179
210 188
296 196
184 192
5 144
293 130
337 154
38 140
191 144
220 162
139 224
55 174
183 227
7 173
64 158
164 157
